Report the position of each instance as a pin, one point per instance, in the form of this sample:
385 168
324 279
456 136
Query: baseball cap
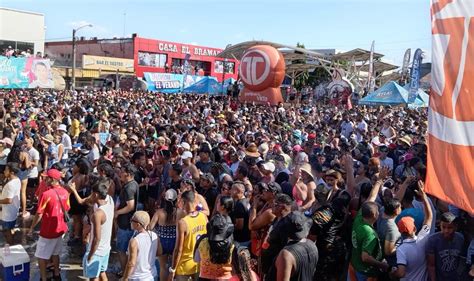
186 155
77 145
448 217
185 145
297 148
171 195
62 127
279 158
269 166
406 225
54 174
219 228
297 225
274 187
208 176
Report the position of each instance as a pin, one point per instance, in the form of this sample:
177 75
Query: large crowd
192 187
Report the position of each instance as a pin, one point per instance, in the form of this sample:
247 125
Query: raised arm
426 205
403 187
376 188
349 165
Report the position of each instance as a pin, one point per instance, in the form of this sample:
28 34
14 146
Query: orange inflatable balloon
262 70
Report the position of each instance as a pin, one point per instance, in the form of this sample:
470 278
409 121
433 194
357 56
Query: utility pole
73 74
73 80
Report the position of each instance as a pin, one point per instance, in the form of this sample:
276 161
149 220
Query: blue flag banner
415 75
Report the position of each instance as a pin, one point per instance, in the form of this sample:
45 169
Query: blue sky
395 25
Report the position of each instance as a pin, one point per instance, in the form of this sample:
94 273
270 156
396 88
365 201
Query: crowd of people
17 53
188 187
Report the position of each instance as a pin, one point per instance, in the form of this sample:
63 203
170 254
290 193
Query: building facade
149 55
21 30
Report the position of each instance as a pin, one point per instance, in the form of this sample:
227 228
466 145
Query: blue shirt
416 214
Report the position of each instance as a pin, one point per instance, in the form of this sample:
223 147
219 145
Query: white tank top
386 132
145 268
106 228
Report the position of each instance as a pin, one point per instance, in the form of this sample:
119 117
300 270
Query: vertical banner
450 166
370 77
406 62
415 76
186 68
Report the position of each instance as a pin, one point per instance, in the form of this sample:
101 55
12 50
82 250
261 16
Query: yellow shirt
210 270
75 128
196 226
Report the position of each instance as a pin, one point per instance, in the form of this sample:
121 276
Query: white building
21 30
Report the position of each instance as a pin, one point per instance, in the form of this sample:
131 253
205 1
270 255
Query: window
219 66
24 46
152 59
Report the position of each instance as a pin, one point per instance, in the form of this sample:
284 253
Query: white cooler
14 264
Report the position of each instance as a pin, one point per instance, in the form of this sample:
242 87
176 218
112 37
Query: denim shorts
22 175
6 225
123 237
96 266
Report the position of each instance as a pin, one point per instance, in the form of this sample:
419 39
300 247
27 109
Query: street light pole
73 81
73 74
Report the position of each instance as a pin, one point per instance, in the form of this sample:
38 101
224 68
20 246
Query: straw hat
252 150
333 173
406 139
306 167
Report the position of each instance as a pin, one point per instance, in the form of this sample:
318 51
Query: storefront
167 57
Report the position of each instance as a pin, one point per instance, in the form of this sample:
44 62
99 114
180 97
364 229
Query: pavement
70 257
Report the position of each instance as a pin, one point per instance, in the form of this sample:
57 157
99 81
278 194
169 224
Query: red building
149 55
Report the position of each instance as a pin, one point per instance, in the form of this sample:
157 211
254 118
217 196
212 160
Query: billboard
22 73
107 63
169 82
152 59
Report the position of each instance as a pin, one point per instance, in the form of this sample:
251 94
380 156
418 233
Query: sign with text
22 73
169 82
107 63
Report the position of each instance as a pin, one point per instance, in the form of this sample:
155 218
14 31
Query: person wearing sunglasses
142 250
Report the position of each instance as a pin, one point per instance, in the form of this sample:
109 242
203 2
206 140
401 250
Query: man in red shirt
51 207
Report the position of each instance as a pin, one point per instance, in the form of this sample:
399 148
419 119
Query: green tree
302 79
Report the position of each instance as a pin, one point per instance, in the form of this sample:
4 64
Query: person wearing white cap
66 141
164 223
267 170
190 171
185 146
